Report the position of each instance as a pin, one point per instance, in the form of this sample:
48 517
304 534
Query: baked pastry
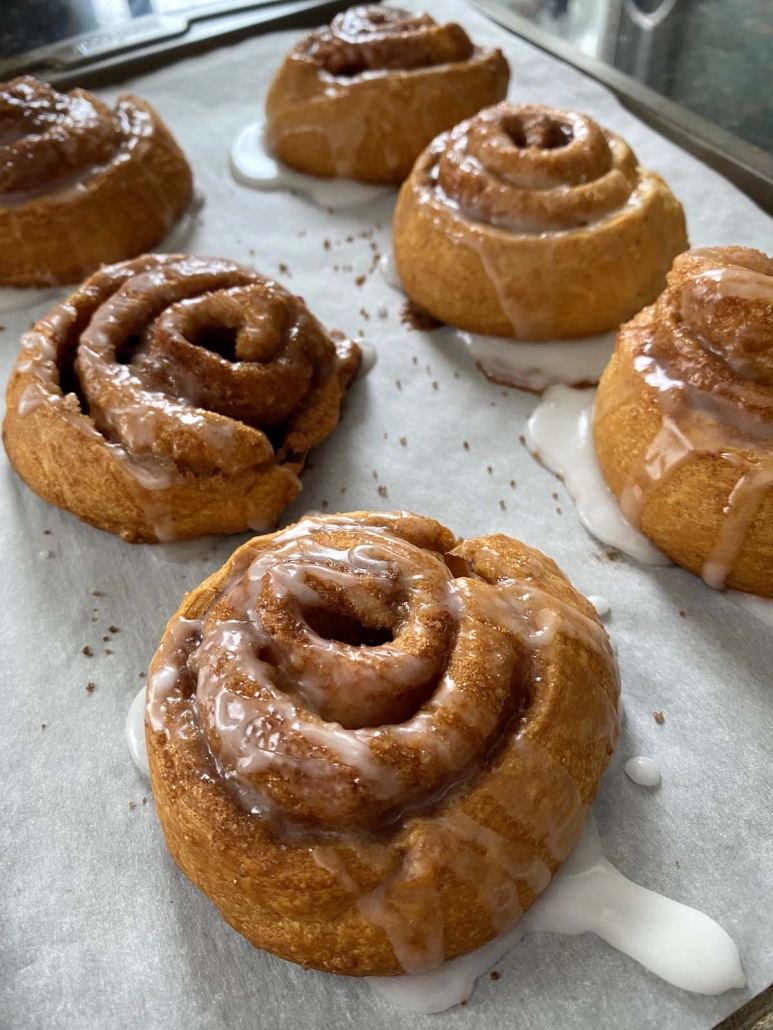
536 224
174 396
683 419
361 98
371 744
82 184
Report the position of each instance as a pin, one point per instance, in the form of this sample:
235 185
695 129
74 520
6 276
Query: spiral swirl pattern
375 38
698 367
185 370
359 683
535 223
81 183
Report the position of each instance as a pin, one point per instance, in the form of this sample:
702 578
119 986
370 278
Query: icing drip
135 733
252 165
642 771
588 895
537 366
559 435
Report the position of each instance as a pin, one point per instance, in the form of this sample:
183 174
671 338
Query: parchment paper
99 929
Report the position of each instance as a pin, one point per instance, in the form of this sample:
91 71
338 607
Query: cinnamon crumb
512 483
382 491
142 675
94 618
2 328
428 369
502 505
365 314
465 445
251 251
283 268
386 436
558 510
682 612
91 687
108 651
350 239
554 495
404 441
398 384
324 502
336 268
95 593
47 532
105 639
463 1001
112 629
659 718
326 244
144 801
360 280
435 385
612 555
489 469
495 975
87 651
412 316
43 725
343 489
301 232
676 863
522 439
132 804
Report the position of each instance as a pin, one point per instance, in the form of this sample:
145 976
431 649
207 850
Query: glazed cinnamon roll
174 396
683 420
536 224
371 744
81 183
361 98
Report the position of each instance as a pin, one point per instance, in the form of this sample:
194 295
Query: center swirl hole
219 339
540 131
337 626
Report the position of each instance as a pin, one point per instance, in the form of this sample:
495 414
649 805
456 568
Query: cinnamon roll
82 183
372 744
174 396
683 419
536 224
361 98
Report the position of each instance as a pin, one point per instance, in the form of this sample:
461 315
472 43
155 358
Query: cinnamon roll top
692 378
82 183
388 716
185 370
528 222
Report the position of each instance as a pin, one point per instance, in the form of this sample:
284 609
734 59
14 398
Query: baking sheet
99 929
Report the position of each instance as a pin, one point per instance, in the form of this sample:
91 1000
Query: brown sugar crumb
112 629
682 612
435 385
91 687
502 505
132 804
144 801
495 975
108 651
87 651
612 555
512 483
382 491
360 280
659 718
398 384
489 469
558 511
96 593
105 639
365 314
404 441
326 244
94 618
43 725
142 675
522 440
466 445
463 1001
412 316
283 268
554 495
350 239
47 532
324 502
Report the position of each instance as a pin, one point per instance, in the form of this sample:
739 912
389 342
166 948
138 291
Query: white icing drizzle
135 733
252 165
601 604
369 359
559 435
389 273
536 366
642 770
588 895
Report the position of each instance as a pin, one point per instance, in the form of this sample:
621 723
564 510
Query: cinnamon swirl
534 224
361 98
174 396
683 419
81 183
372 744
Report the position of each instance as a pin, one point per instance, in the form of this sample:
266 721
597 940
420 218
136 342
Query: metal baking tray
94 61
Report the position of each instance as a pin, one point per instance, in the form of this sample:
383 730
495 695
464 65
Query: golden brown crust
381 847
82 184
683 424
173 396
362 98
532 223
